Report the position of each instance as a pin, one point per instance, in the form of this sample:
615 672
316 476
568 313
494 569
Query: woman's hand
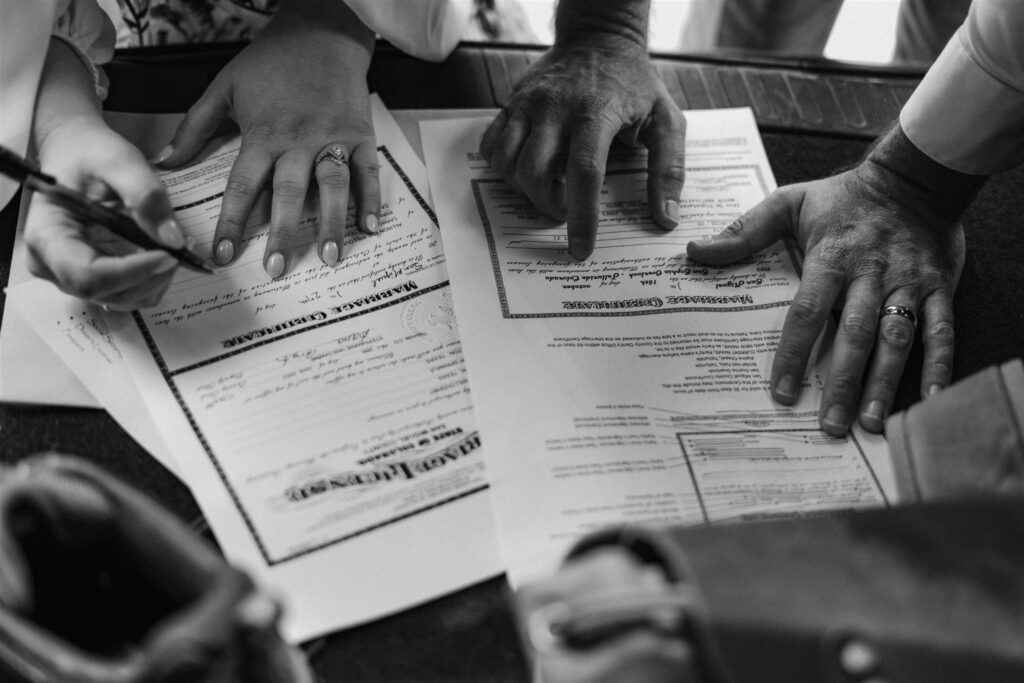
77 147
298 93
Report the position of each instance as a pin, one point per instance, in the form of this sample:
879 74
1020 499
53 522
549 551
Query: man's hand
297 89
596 84
874 237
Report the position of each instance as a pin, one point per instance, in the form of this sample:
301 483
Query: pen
89 211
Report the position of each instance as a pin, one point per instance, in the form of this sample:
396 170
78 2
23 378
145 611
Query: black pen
89 211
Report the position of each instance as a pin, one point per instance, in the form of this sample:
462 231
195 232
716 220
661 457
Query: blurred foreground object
967 440
931 592
99 584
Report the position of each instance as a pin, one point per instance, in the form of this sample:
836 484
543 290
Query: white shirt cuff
964 118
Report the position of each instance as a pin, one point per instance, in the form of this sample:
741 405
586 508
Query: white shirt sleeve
968 112
428 29
90 33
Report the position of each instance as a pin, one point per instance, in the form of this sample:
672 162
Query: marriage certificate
632 388
322 419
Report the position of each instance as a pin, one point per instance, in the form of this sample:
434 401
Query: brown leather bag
100 585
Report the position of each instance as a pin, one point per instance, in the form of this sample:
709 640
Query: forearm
604 24
332 16
66 92
947 191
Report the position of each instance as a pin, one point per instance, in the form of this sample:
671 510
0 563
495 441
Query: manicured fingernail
672 210
579 249
170 234
786 387
874 413
837 419
162 155
329 253
257 612
275 265
164 265
371 223
934 389
224 252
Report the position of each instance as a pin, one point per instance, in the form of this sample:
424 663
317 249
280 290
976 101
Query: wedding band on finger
903 311
332 152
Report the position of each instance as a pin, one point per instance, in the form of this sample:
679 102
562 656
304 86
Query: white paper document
323 419
632 388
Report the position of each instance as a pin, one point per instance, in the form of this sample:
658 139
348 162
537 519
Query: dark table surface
815 117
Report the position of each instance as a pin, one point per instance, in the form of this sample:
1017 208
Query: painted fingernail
170 234
257 612
672 210
371 223
164 265
874 413
275 265
224 252
934 389
329 253
786 388
836 419
162 155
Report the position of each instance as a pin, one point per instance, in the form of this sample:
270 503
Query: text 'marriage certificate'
632 387
323 419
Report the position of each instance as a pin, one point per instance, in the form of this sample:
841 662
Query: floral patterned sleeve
88 31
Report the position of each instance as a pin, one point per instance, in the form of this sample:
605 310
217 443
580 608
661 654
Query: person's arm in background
597 83
75 145
887 232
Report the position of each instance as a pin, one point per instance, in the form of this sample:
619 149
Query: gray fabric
967 440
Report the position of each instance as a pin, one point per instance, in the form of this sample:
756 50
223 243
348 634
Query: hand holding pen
63 243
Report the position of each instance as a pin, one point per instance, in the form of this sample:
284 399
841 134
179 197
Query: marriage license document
632 388
323 419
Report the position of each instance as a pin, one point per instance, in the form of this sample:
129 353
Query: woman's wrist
66 94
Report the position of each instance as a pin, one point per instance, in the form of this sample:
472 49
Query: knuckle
289 189
899 334
240 187
941 331
335 175
859 328
788 359
803 312
844 385
371 171
675 173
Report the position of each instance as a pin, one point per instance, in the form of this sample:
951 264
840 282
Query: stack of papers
324 420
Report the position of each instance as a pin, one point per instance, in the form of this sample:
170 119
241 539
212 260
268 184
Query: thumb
200 124
772 219
665 140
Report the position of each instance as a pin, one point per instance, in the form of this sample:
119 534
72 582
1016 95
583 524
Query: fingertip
371 224
581 248
224 252
836 420
163 155
668 217
786 390
275 265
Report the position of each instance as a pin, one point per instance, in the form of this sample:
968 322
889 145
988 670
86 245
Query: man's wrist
602 24
947 191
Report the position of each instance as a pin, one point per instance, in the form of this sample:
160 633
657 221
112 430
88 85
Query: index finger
248 176
819 287
588 159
